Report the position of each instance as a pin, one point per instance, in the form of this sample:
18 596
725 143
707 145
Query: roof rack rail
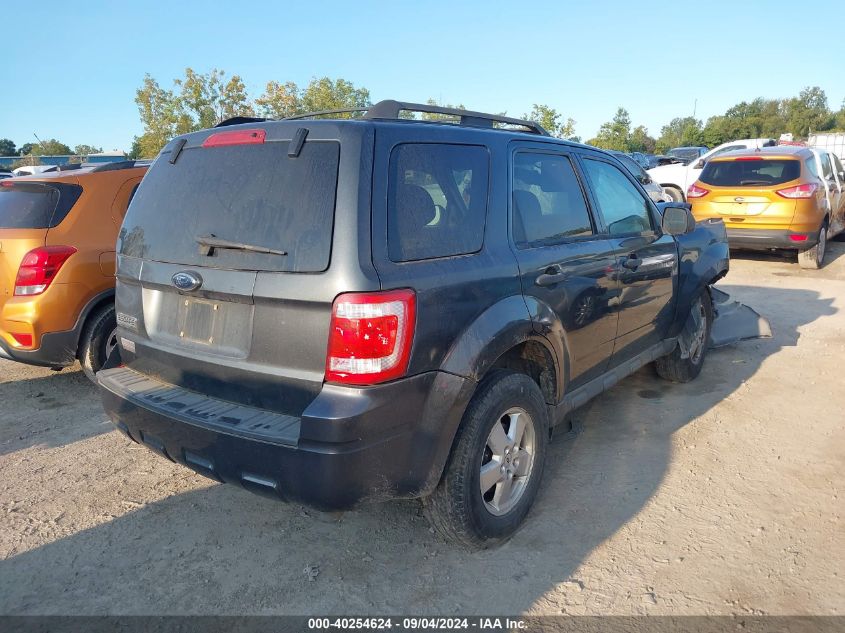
390 109
121 164
237 120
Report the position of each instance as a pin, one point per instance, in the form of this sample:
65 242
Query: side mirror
677 219
700 164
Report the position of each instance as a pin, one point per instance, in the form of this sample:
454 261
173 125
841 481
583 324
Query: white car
676 179
829 169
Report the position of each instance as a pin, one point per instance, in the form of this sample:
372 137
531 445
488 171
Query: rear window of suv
437 200
253 194
34 205
750 173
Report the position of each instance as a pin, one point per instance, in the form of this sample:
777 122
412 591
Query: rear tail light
696 192
798 238
235 137
807 190
24 340
39 267
370 337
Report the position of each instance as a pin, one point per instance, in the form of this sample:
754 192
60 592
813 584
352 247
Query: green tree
50 147
552 121
7 147
26 149
85 150
198 101
161 116
680 132
210 98
327 94
808 112
615 134
279 100
640 141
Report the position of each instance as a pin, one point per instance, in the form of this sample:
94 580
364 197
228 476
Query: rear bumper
351 445
58 349
763 239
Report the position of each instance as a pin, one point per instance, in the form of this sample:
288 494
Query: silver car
654 191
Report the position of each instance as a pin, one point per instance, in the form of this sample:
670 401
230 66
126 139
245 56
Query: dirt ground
722 496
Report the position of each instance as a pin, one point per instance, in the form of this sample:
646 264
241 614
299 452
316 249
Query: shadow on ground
50 410
221 550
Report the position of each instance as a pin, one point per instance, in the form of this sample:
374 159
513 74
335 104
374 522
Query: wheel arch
97 303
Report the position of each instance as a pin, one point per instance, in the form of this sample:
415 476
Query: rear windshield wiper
749 183
209 242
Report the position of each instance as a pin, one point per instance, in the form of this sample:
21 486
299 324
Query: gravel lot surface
722 496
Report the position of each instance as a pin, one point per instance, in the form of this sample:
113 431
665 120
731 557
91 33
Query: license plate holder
198 320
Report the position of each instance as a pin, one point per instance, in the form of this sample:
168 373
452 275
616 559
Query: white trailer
833 142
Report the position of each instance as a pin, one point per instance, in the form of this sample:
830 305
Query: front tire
98 339
813 258
673 367
675 193
496 464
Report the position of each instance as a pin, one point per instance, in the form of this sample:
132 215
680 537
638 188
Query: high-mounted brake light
807 190
235 137
696 192
370 337
39 267
748 158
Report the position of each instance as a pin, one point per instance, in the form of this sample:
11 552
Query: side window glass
437 200
828 172
811 166
624 209
548 202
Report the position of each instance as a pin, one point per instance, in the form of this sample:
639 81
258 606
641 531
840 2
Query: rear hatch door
28 209
744 191
222 266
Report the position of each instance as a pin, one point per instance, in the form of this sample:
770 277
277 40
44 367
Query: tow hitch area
735 321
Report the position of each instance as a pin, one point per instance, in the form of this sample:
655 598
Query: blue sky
70 69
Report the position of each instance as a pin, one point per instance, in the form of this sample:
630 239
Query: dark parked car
687 155
339 311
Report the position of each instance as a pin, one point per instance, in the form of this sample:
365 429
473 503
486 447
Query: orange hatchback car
772 198
57 263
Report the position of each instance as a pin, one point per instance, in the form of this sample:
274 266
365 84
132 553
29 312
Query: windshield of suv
34 205
750 173
248 194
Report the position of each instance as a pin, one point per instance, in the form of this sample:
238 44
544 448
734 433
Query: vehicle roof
690 147
74 175
777 151
455 128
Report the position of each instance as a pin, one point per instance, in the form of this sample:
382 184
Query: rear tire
500 446
675 193
813 258
676 369
98 338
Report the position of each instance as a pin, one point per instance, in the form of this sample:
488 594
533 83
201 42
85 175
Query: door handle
631 262
551 276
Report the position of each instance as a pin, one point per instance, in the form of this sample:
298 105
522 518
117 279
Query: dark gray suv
336 311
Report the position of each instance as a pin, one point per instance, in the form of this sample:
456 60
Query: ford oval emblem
187 280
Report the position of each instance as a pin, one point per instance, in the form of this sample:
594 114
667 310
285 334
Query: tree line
201 100
30 152
761 118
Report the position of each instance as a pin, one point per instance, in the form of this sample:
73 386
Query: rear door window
625 209
750 173
548 202
253 194
35 205
437 200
